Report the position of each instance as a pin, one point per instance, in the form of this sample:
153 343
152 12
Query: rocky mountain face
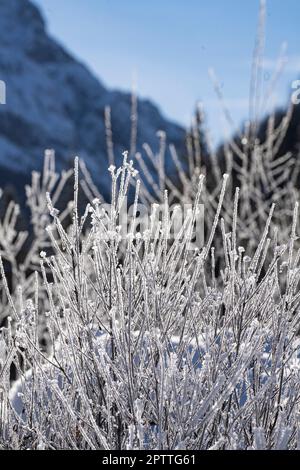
54 101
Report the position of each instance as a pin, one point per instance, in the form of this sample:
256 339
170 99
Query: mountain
54 101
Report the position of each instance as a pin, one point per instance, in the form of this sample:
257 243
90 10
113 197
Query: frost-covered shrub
148 347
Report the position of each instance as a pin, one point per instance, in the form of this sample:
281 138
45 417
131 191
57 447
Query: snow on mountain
54 101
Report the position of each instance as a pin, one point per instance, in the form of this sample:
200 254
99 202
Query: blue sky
169 45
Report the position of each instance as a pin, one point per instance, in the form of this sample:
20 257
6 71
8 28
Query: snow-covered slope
54 101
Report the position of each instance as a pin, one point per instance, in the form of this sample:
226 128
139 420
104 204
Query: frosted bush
149 348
